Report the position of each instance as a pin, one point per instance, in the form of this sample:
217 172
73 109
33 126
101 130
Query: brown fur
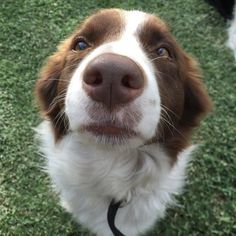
183 95
57 72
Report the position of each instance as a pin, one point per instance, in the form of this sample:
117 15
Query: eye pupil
163 52
80 45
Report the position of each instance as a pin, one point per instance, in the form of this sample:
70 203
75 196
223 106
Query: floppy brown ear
196 100
46 86
46 90
196 105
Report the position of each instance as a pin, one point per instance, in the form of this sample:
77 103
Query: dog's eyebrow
102 27
153 31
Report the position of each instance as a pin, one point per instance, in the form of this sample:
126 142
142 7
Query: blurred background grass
29 32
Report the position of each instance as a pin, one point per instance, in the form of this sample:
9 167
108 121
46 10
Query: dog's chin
107 135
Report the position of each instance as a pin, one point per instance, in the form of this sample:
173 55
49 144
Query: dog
231 43
120 99
224 7
227 9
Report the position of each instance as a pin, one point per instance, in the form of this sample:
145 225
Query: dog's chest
88 179
103 173
87 183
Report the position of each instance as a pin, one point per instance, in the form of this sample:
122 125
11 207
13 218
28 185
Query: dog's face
121 79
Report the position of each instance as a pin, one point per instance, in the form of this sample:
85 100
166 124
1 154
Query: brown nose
113 80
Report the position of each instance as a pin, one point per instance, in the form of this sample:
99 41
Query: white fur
88 174
77 101
88 178
232 35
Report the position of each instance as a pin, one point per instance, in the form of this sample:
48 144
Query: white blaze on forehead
133 21
128 44
149 101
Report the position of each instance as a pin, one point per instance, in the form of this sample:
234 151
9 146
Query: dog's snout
113 80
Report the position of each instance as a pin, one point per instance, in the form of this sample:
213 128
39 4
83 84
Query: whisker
169 123
166 108
57 99
59 118
157 58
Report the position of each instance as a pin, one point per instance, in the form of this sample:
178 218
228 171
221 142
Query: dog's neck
89 178
116 173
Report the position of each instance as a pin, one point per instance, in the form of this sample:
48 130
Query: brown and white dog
119 99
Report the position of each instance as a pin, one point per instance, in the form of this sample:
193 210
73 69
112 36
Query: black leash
111 214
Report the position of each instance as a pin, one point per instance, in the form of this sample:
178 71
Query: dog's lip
109 130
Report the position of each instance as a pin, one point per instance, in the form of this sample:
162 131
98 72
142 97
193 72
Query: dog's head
121 79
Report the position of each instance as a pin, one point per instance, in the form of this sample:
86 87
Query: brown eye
80 45
162 52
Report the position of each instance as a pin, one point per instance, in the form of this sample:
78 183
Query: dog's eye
80 45
162 52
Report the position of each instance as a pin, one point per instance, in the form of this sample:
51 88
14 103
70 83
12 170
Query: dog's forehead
104 24
111 24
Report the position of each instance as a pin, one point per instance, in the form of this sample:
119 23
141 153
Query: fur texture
87 178
137 151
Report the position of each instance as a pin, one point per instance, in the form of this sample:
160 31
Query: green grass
29 32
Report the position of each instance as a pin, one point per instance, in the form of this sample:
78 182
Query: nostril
113 80
93 78
132 82
126 81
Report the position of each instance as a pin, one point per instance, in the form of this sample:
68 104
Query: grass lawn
29 32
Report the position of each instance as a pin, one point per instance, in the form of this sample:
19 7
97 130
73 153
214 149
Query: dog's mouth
116 128
109 130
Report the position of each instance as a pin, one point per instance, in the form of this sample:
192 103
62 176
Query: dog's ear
46 86
196 100
196 105
46 89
